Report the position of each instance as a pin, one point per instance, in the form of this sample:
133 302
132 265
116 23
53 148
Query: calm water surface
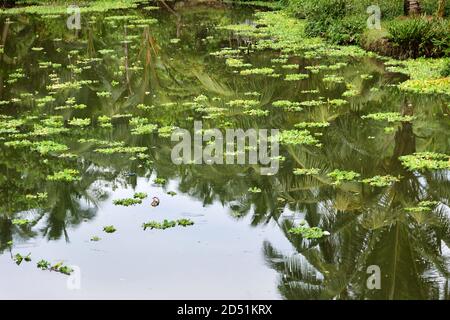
239 246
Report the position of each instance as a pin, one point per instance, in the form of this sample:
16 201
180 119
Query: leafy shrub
420 37
446 71
321 13
347 30
302 8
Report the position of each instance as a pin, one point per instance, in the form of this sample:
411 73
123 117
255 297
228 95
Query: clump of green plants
143 129
61 268
127 202
333 79
21 222
109 229
77 122
46 147
338 176
257 112
338 102
160 181
185 222
308 232
296 76
95 238
303 125
43 264
295 137
422 161
287 105
306 172
381 181
389 117
254 190
18 258
258 71
237 63
67 175
419 37
104 94
140 195
166 224
243 103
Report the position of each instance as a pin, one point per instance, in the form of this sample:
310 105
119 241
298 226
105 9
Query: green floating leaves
389 117
67 175
309 232
296 137
18 258
159 181
109 229
43 265
306 172
255 190
20 222
381 181
422 161
339 176
166 224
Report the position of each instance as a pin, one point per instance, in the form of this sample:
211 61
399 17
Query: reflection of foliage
134 66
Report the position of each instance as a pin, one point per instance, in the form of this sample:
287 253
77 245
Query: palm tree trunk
441 9
411 7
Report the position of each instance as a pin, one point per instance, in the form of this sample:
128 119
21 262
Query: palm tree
411 7
441 9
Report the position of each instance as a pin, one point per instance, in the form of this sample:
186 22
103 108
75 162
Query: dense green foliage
344 22
421 37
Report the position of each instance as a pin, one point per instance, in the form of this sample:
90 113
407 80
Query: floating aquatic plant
338 102
166 224
127 202
422 161
109 229
296 76
143 129
67 175
254 190
303 125
61 268
339 176
389 117
77 122
21 222
287 105
257 112
43 264
333 79
18 258
237 63
258 71
140 195
306 172
309 232
185 222
295 137
159 181
243 103
381 181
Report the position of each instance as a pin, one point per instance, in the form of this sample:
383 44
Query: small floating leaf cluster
166 224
